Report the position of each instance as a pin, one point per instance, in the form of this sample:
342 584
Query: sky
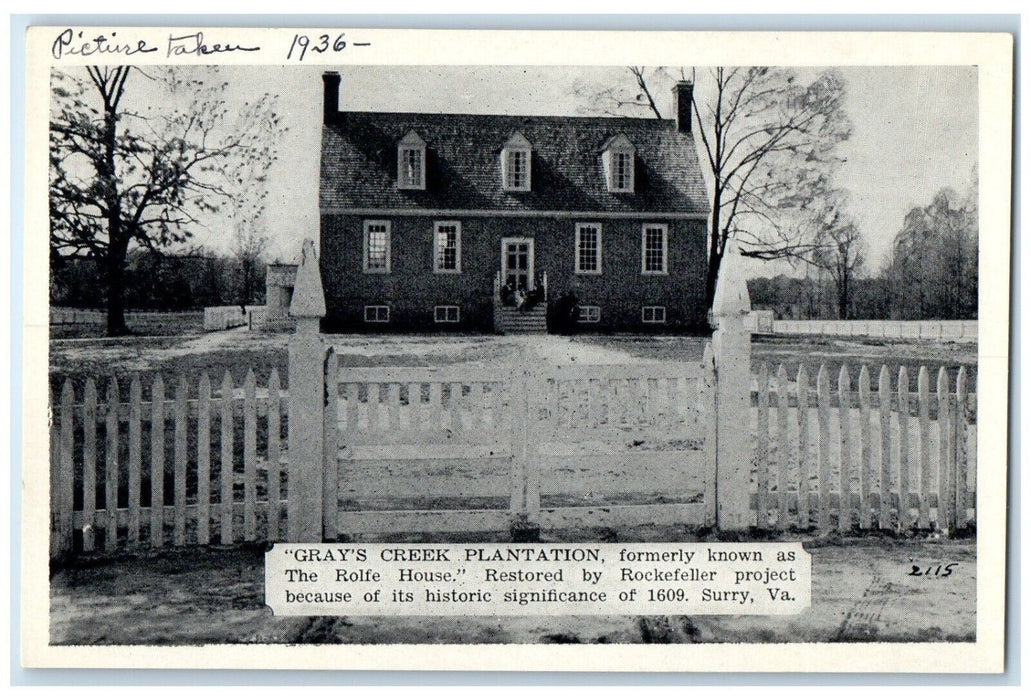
914 130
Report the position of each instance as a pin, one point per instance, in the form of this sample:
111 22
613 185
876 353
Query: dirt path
414 345
471 349
562 350
862 591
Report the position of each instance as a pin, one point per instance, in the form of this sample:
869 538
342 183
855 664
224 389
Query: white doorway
517 263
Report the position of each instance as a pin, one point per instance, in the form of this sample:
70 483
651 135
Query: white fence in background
219 318
760 321
256 317
915 330
63 316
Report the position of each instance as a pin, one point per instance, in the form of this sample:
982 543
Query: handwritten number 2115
932 571
302 43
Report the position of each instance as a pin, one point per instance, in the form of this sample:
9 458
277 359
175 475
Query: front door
517 263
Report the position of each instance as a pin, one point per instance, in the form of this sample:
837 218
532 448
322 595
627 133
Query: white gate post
307 397
732 349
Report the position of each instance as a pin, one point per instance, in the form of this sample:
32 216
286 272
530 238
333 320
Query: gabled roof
412 139
618 142
359 163
517 140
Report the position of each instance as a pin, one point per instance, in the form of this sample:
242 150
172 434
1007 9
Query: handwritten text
69 43
302 44
194 44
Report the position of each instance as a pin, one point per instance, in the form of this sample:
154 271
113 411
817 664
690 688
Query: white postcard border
991 52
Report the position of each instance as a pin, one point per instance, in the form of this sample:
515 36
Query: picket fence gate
490 440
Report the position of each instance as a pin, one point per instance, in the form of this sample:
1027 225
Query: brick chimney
682 93
330 96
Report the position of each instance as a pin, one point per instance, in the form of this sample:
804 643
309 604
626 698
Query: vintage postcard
412 349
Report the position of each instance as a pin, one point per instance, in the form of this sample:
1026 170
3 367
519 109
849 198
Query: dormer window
618 156
516 163
411 162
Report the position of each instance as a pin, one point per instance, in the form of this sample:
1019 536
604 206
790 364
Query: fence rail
862 457
915 330
192 450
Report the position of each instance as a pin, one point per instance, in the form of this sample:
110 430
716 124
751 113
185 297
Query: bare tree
769 141
841 252
124 176
249 250
636 97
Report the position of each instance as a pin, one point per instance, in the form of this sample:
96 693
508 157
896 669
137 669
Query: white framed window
376 248
619 164
654 249
653 314
445 314
588 314
377 314
447 246
622 171
518 174
516 164
411 162
588 249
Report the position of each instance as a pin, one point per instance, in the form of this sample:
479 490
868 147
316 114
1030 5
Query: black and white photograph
500 356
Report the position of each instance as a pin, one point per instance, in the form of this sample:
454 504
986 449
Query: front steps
508 319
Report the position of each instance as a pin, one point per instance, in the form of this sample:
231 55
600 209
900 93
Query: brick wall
412 288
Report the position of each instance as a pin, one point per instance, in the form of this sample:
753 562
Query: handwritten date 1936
302 44
933 570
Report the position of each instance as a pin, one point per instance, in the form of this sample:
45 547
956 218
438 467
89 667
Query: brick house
504 223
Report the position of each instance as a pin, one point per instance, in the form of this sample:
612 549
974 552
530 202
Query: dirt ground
862 591
239 349
791 351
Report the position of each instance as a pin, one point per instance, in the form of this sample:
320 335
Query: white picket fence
467 449
861 458
211 478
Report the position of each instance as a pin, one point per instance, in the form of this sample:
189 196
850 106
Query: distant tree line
161 281
816 297
931 272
